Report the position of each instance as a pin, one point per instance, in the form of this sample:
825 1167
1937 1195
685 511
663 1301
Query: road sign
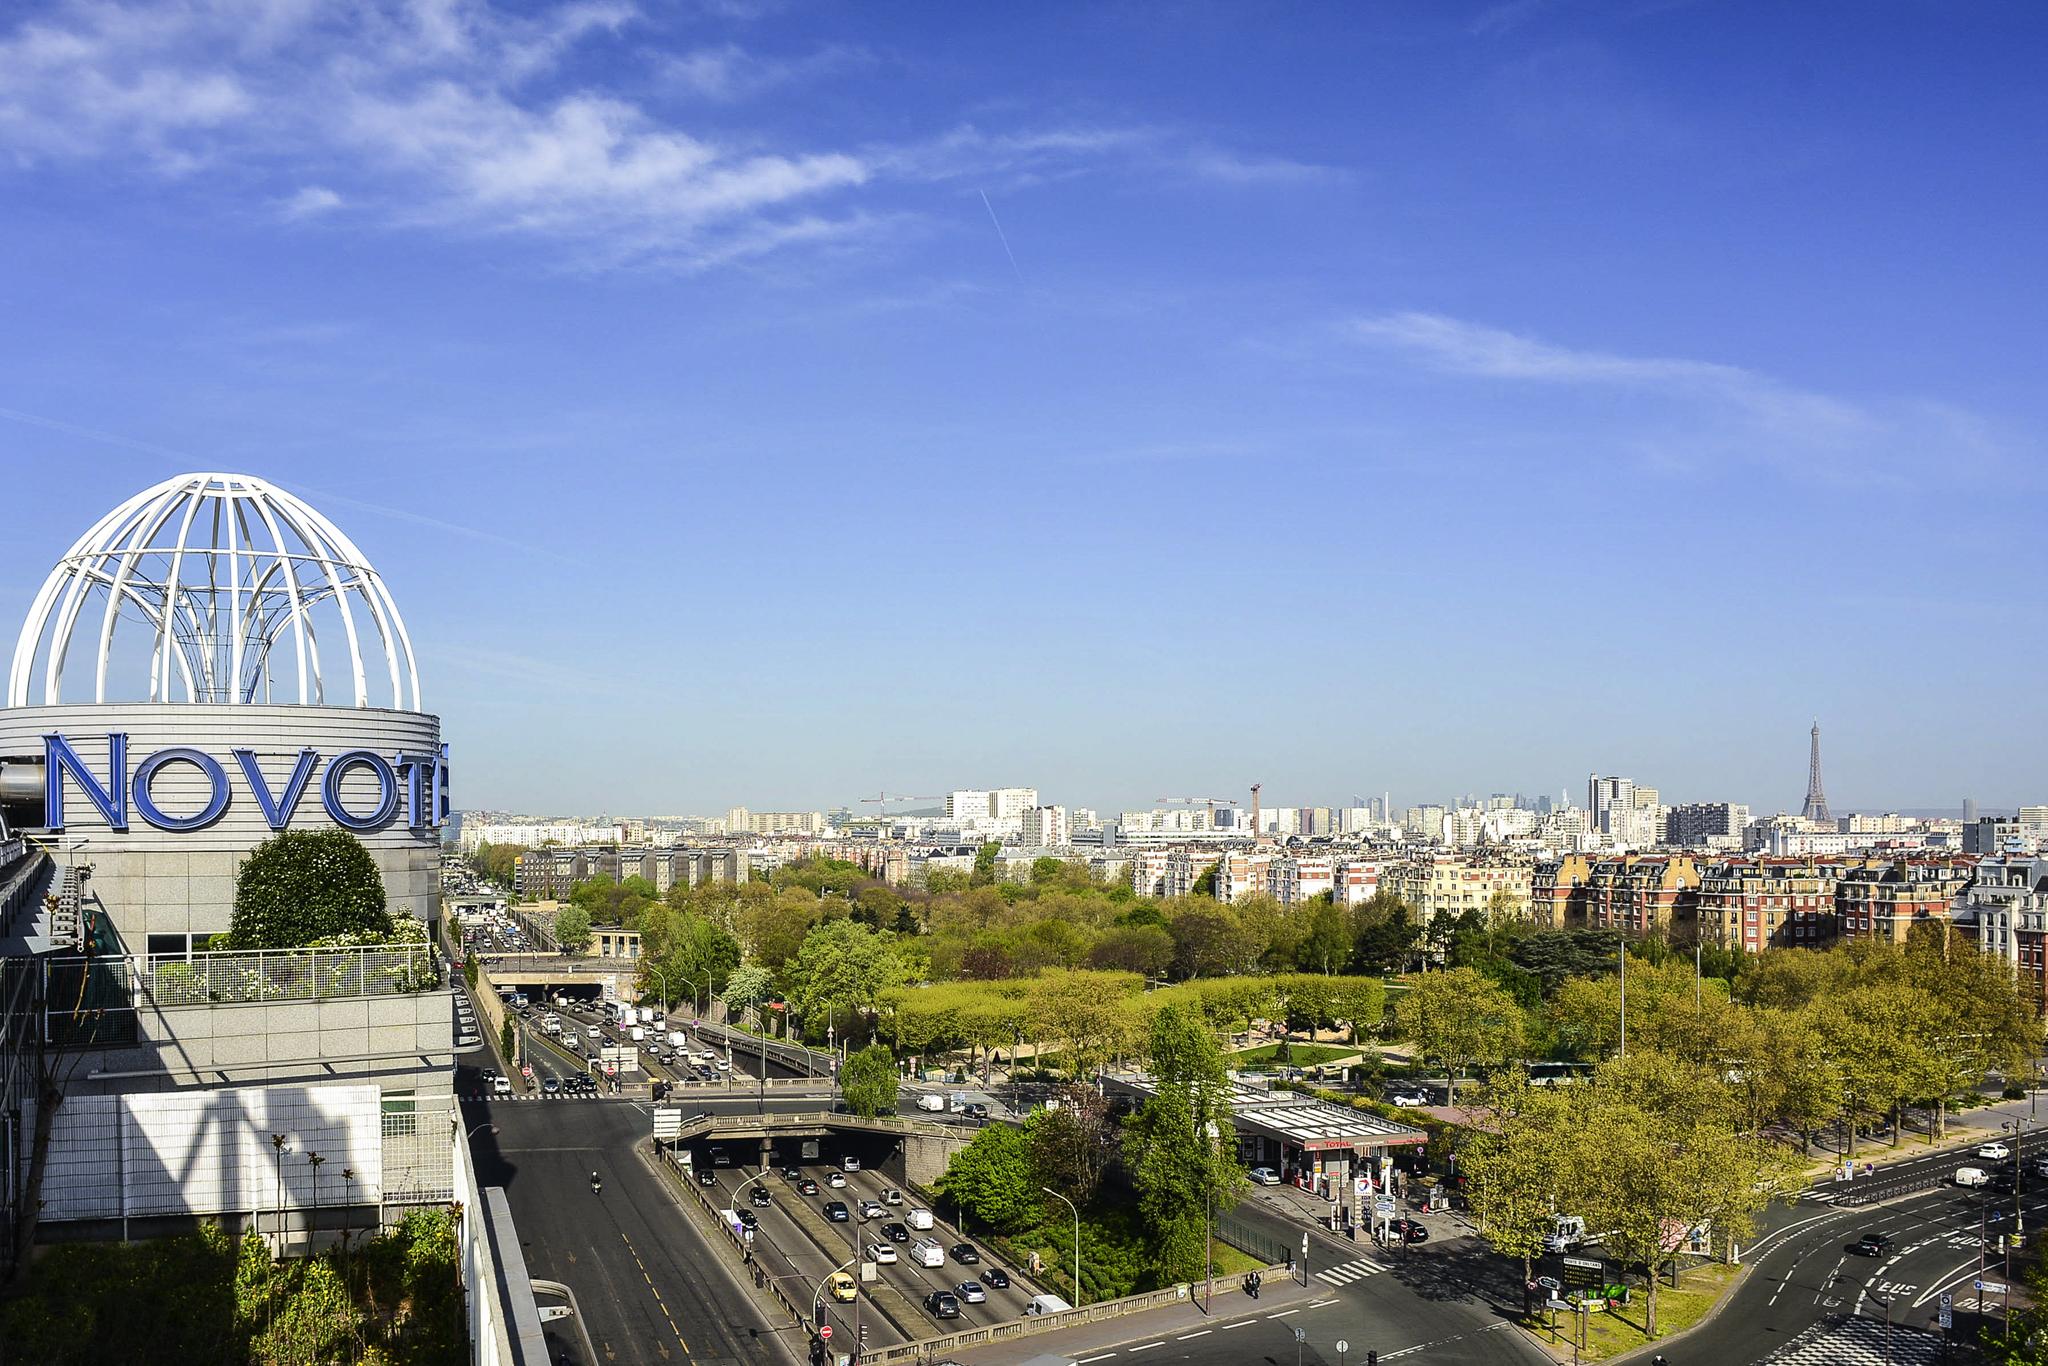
1342 1347
1383 1205
1947 1317
668 1122
1989 1287
824 1332
1301 1335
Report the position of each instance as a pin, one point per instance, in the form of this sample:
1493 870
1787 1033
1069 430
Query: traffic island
1610 1329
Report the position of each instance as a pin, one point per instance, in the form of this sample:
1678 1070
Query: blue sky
770 403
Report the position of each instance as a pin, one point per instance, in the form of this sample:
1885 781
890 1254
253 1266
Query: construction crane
881 800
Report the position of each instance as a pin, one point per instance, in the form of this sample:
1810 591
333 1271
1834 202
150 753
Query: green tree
984 873
746 986
868 1082
299 886
1072 1143
1383 945
1459 1020
841 970
1180 1147
1144 949
572 929
1513 1170
991 1178
1327 945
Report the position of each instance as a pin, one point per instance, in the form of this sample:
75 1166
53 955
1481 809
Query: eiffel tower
1816 808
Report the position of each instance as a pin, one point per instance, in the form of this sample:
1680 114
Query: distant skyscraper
1969 810
1816 808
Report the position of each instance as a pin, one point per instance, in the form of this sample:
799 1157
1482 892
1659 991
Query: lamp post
1080 1296
662 977
2017 1128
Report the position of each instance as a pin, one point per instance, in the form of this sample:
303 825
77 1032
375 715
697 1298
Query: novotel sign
411 786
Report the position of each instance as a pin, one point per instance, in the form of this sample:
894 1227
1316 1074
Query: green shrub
301 886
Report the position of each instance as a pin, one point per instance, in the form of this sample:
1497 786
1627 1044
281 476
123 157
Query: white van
918 1218
1972 1176
637 1034
927 1252
929 1101
1046 1304
678 1040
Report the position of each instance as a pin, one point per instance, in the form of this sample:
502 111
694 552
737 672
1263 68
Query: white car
1264 1176
1411 1099
835 1179
882 1254
1994 1151
1972 1176
870 1209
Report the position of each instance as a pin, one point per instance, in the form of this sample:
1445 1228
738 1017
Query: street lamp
479 1129
662 977
1080 1296
2017 1128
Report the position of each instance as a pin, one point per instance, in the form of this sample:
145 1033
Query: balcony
269 975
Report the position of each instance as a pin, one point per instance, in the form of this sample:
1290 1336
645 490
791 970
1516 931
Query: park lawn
1232 1261
1304 1054
1613 1332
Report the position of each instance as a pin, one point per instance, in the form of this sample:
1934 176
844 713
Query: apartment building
1887 898
1768 902
2005 911
1043 827
1706 825
1353 881
1293 880
1457 883
1641 894
741 821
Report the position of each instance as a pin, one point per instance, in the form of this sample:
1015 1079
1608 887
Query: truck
647 1015
637 1034
1567 1232
677 1039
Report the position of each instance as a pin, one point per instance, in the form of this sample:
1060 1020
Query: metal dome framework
220 569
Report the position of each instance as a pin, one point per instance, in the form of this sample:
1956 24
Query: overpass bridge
926 1147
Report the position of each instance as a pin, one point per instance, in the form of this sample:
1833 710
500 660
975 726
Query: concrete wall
403 1043
152 881
209 1152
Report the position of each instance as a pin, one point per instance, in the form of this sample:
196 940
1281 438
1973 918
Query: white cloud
1230 168
310 202
1733 414
730 72
458 115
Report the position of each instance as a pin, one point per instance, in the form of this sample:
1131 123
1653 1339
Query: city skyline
777 404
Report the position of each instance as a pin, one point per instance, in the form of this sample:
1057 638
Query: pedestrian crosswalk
1344 1273
1860 1341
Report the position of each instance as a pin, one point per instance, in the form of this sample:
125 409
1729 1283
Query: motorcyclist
596 1183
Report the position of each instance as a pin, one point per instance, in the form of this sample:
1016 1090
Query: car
1993 1151
942 1304
995 1278
1409 1231
1971 1177
1410 1099
1264 1176
552 1086
896 1233
1871 1245
501 1086
965 1254
871 1209
975 1110
971 1292
807 1186
749 1220
883 1254
706 1177
792 1174
842 1286
2004 1180
849 1164
758 1195
835 1180
836 1211
892 1196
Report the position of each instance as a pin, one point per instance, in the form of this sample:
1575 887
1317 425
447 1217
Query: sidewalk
1231 1308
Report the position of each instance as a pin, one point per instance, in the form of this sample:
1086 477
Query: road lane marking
1149 1346
1283 1313
1241 1323
1083 1361
1185 1336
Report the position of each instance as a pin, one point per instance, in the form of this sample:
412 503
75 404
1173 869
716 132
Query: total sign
412 785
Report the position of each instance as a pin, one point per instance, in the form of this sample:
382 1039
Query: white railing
285 975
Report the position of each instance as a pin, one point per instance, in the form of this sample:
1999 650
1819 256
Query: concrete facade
148 881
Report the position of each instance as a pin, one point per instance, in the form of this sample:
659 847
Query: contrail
1001 236
190 462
